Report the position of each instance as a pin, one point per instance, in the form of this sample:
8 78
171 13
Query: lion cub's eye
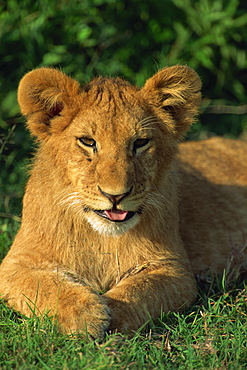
87 141
140 143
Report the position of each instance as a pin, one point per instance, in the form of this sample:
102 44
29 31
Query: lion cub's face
114 144
111 142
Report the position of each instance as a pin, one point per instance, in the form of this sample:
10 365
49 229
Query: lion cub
117 215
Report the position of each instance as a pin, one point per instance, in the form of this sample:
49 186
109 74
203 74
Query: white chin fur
104 226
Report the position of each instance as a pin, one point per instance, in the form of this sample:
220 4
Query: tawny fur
94 274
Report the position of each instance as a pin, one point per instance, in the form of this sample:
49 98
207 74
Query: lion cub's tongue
116 215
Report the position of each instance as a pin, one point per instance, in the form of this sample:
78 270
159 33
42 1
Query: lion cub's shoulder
213 206
218 159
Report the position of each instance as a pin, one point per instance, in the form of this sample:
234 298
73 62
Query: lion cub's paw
89 317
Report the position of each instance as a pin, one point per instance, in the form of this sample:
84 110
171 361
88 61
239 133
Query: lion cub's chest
104 266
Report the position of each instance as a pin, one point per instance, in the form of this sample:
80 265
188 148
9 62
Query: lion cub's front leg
41 289
137 299
82 311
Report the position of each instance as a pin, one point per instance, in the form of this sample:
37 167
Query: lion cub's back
213 207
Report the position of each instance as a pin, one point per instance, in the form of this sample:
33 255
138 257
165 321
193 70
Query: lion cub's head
105 148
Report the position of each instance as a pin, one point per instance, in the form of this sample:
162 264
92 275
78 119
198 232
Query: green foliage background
129 38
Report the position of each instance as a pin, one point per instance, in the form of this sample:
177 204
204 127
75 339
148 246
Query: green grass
213 335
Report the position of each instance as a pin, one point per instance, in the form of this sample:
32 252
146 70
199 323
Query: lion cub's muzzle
114 214
115 199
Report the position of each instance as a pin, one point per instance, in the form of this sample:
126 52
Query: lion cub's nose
115 198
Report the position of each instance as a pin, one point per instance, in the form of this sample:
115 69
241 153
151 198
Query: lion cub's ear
42 95
177 90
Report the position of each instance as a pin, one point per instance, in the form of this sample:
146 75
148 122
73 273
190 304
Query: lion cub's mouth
115 215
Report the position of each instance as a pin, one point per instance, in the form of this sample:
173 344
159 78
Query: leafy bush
128 38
